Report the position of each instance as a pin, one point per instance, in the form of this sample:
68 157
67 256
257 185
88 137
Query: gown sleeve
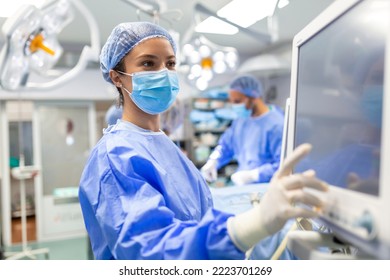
225 147
267 170
128 218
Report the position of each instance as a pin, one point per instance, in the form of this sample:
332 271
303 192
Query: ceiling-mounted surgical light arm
153 9
89 53
264 38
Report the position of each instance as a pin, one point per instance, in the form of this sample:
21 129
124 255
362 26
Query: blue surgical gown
255 143
141 198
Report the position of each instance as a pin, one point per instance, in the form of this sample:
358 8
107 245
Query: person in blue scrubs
141 197
254 138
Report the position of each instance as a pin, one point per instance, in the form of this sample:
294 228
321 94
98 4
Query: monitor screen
339 83
339 93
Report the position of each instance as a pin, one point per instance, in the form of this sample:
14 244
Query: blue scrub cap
247 85
123 38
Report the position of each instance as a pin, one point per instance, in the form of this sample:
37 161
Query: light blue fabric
123 38
226 113
241 111
201 116
248 85
154 91
255 143
142 198
113 114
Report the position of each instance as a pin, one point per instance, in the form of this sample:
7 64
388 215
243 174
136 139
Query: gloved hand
277 204
245 177
209 170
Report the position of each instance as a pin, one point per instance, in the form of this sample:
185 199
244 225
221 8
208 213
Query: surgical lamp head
123 38
247 85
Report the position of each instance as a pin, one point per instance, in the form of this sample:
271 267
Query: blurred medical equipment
238 200
206 59
340 53
156 9
22 173
31 45
284 192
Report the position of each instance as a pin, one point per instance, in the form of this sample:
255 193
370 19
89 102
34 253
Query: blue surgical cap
113 114
247 85
123 38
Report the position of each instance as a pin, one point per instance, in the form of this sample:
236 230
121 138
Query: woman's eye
171 64
147 63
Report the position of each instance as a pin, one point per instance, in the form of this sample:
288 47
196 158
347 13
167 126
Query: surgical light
219 67
206 59
202 83
31 44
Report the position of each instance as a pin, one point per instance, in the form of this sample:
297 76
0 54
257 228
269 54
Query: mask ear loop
126 74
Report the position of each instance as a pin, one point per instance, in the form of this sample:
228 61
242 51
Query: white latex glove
276 206
209 170
245 177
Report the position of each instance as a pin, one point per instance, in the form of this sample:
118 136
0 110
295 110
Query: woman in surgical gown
140 196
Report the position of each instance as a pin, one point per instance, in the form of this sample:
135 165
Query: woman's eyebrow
150 56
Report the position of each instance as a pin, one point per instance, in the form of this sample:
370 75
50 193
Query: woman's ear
115 78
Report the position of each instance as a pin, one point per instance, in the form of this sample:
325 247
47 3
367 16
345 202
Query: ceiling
182 16
108 13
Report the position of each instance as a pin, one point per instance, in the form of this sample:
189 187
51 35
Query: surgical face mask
154 91
241 111
371 103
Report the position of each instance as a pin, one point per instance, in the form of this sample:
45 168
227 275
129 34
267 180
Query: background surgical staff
141 197
254 138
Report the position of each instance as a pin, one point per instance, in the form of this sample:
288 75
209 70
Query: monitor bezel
346 204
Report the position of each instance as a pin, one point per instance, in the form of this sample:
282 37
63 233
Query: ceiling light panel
247 12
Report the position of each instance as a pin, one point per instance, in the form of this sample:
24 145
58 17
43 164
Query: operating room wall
277 89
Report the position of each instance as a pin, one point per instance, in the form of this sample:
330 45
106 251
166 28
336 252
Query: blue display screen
340 91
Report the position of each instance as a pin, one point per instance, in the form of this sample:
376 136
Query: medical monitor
339 79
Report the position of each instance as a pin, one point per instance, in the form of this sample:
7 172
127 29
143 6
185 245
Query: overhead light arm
153 9
148 7
264 38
